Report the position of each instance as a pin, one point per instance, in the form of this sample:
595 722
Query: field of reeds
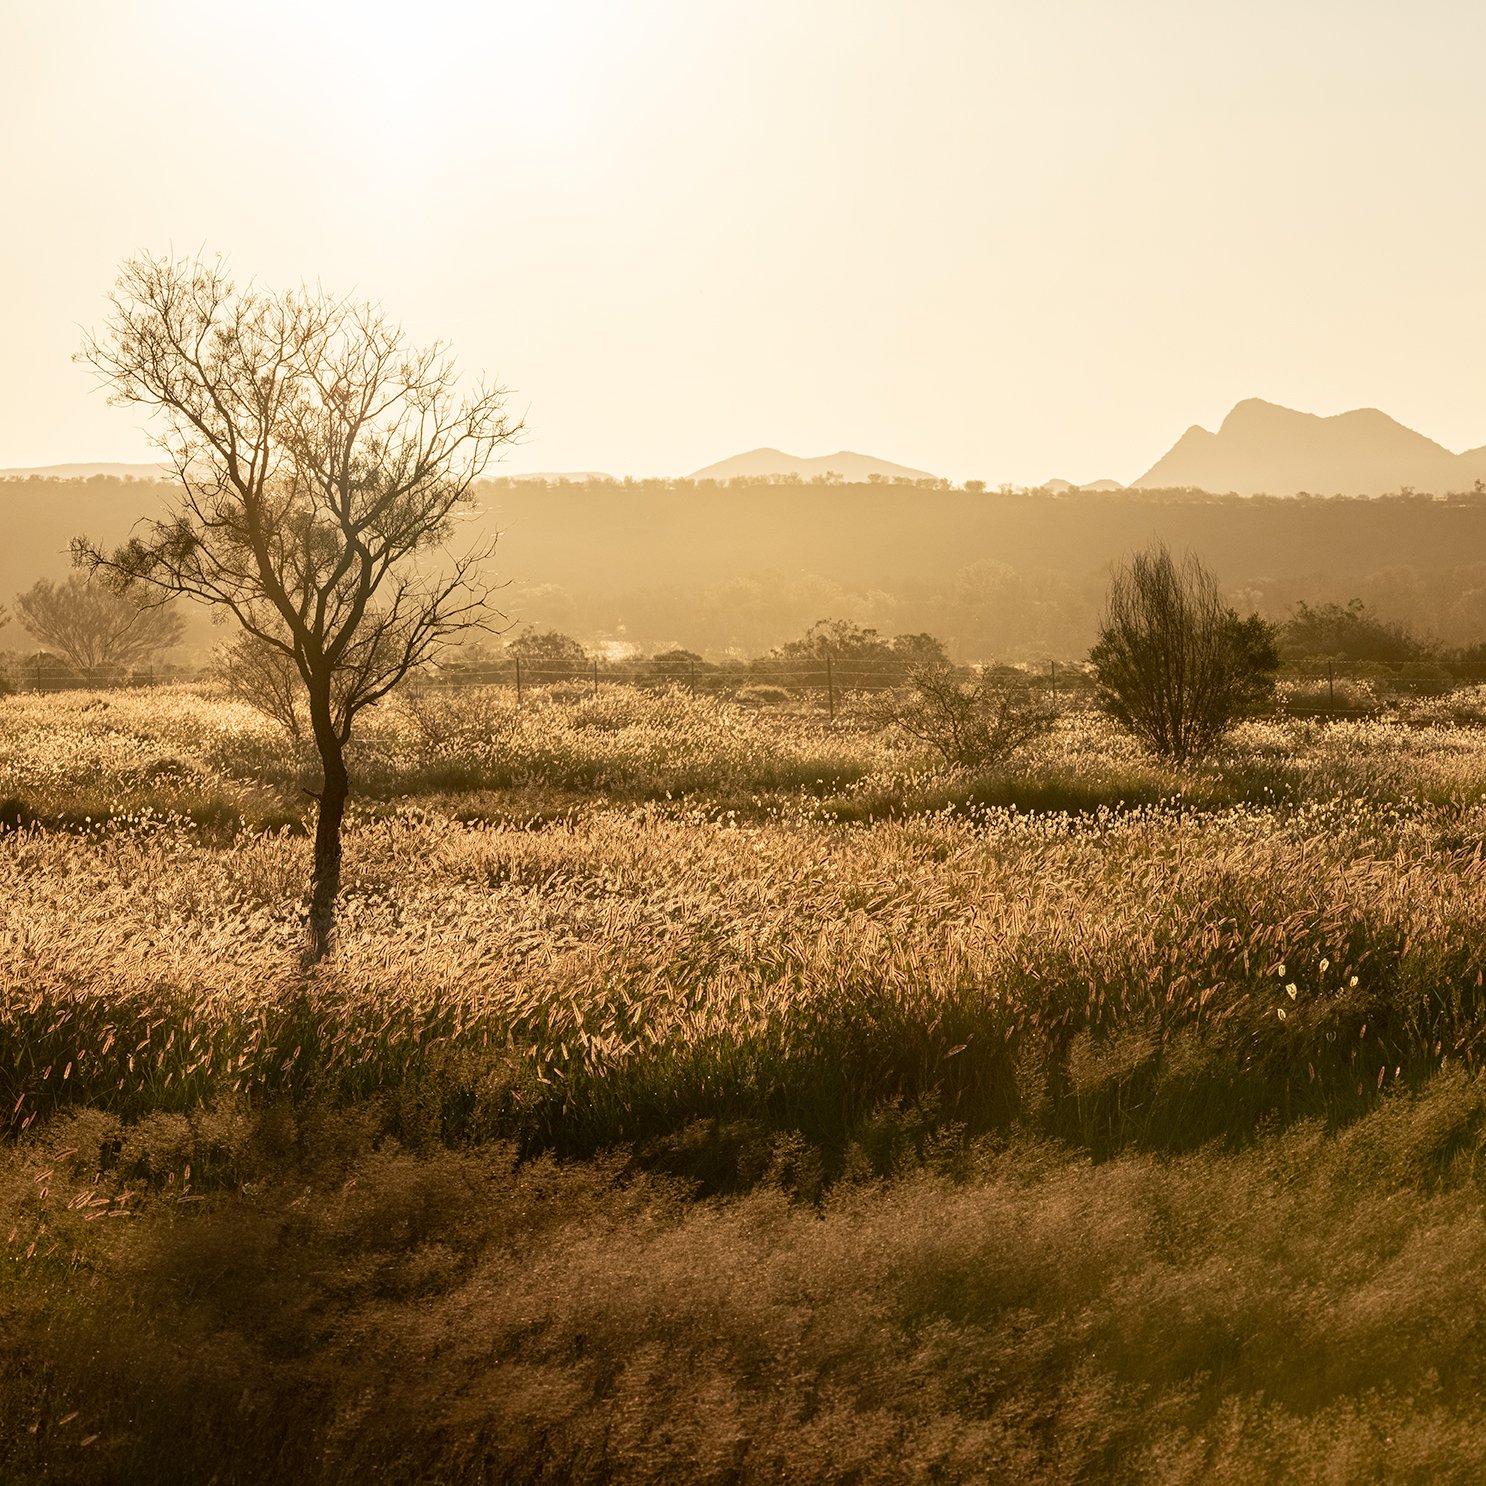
705 1092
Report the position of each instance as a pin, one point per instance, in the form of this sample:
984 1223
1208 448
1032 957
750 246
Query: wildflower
1353 981
1325 966
1290 990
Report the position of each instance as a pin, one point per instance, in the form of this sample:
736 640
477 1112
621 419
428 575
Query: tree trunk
325 884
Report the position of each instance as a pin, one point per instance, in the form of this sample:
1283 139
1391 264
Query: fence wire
1334 688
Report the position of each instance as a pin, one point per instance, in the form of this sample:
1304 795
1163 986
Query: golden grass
816 1018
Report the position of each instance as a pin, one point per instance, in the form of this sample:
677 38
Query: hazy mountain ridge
86 472
1066 487
1262 448
772 463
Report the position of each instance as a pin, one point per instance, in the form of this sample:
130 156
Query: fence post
518 683
1330 685
595 677
830 689
691 666
1052 667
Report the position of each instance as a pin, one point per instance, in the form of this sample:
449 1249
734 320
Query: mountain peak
1264 448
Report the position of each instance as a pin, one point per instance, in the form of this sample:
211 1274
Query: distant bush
675 665
1353 632
760 694
841 640
268 681
1319 697
547 654
453 723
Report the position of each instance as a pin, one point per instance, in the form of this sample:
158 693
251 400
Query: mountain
854 469
1262 448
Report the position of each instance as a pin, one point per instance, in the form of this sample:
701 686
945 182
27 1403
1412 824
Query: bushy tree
97 629
838 638
547 655
843 640
676 664
1172 662
322 464
1352 632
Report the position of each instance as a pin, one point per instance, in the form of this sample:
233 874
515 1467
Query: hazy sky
995 240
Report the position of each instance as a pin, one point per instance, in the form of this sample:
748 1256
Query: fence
824 683
1322 688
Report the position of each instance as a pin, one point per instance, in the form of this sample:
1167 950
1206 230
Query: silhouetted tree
98 630
1175 665
322 465
843 640
675 665
1353 632
548 655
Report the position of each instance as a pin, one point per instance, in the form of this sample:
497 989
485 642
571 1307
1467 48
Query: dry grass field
698 1092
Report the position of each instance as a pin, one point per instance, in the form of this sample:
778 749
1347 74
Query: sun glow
404 89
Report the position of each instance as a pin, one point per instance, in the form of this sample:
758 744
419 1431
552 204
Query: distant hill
772 463
1062 487
563 477
1262 448
994 573
85 472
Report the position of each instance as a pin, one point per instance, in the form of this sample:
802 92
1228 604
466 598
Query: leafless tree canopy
322 462
323 466
94 627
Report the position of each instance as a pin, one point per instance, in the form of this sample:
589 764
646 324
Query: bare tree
323 466
95 628
1174 664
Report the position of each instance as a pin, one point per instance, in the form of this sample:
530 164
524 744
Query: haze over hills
1063 487
996 574
85 472
852 468
1262 448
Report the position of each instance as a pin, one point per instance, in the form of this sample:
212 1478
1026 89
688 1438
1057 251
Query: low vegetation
696 1090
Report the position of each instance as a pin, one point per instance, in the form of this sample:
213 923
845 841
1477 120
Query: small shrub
762 695
450 722
976 724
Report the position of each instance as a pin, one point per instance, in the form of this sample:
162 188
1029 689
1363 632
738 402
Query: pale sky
1004 241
